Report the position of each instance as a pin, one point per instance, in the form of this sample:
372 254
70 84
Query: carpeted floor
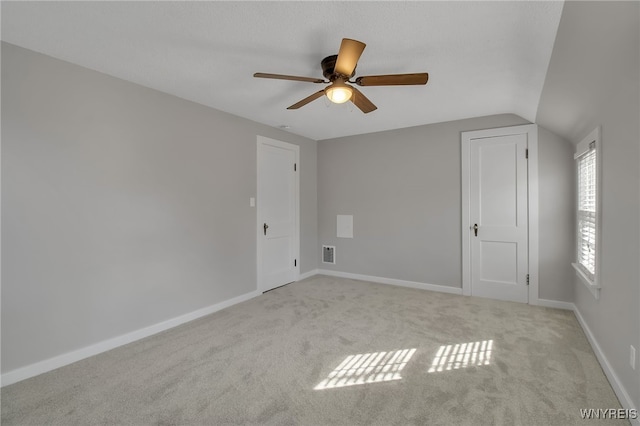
335 351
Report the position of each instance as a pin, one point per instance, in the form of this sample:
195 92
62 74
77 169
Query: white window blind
587 204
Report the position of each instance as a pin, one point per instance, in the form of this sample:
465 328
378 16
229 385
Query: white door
498 217
278 223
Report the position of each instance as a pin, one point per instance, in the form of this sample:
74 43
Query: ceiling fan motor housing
328 68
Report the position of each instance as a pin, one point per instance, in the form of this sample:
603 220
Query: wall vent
329 254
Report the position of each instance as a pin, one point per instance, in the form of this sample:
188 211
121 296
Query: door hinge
295 167
295 262
527 279
526 153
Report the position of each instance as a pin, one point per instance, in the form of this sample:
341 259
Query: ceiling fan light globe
339 93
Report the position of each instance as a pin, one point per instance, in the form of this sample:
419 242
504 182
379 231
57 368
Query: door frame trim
262 140
531 130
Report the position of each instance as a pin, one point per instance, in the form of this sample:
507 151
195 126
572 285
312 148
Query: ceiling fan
338 69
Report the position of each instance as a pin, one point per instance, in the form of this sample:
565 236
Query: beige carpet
335 351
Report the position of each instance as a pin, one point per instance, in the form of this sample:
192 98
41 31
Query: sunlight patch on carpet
372 367
462 355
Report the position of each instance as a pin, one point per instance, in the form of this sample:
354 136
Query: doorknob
265 227
475 229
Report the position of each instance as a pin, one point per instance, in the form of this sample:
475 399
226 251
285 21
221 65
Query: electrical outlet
632 357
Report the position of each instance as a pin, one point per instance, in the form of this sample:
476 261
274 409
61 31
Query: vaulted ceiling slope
482 57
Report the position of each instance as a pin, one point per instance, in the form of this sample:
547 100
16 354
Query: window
588 211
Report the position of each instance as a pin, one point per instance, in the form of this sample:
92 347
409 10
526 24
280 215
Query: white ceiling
482 57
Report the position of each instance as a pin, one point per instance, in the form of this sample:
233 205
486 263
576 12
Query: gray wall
403 189
593 80
556 202
121 206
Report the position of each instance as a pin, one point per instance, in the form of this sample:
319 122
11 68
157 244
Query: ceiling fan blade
289 77
362 102
307 100
350 51
393 79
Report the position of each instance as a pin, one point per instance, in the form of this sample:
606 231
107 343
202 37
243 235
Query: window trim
594 285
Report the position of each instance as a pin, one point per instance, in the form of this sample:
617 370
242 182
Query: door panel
498 205
498 261
277 183
498 184
277 208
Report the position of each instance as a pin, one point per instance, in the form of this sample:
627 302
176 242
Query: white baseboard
308 274
558 304
37 368
77 355
391 281
617 386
